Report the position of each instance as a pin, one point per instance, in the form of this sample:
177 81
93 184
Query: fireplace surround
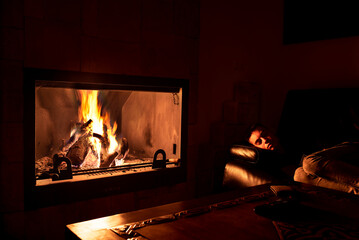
67 158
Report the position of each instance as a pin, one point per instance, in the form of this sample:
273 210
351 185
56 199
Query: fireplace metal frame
65 192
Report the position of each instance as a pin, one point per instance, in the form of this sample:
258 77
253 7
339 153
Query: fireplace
90 135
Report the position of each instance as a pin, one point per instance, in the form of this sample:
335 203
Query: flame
91 109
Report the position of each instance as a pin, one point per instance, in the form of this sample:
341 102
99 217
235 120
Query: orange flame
91 109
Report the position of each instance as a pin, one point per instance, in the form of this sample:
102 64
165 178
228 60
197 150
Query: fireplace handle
159 163
61 174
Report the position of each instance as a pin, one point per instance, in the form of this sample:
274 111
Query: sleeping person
336 167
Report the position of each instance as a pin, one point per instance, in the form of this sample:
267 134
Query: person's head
261 137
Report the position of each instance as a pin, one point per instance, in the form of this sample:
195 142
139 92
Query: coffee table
230 215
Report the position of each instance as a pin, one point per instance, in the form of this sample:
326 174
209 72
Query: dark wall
306 20
242 41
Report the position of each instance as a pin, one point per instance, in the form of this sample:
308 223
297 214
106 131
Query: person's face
261 138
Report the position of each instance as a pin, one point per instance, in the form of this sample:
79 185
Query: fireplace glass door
84 132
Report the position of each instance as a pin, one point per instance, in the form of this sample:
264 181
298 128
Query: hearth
90 135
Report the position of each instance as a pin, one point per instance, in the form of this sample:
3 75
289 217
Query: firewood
122 153
106 142
109 160
79 144
81 129
78 151
124 148
86 125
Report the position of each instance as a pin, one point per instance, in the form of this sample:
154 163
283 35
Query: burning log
79 150
96 135
105 143
109 160
124 147
104 139
78 146
122 153
85 126
81 129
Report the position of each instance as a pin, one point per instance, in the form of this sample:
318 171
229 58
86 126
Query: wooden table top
215 219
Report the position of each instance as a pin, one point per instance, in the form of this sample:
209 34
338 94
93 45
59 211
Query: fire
91 109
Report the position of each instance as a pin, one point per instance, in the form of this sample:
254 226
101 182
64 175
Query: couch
313 125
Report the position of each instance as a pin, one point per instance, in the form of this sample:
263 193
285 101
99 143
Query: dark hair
252 128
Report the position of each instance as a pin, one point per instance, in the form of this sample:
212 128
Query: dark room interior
237 60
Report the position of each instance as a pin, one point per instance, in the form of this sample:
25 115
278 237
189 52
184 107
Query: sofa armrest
256 156
250 166
239 175
247 154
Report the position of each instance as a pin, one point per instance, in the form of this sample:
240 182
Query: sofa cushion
339 163
336 167
302 176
